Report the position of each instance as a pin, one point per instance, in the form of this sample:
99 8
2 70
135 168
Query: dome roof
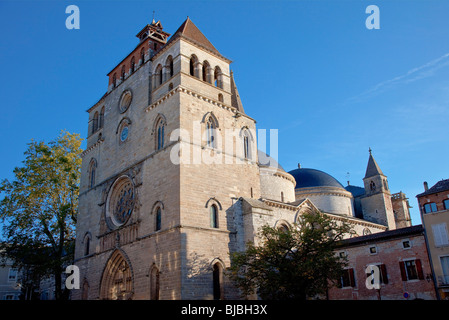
307 178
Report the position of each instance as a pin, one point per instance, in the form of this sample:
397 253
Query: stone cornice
92 147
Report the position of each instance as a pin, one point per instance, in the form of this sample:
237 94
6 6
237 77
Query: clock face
124 134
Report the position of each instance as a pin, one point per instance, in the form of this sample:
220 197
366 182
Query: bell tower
376 204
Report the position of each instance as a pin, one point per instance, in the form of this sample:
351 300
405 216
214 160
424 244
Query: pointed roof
189 30
235 97
373 168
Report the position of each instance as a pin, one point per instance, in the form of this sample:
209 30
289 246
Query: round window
124 133
125 101
120 202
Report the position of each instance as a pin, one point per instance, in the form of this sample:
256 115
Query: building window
158 219
133 65
123 73
446 204
92 172
373 250
383 277
125 101
411 270
213 216
120 202
220 97
142 56
95 123
430 207
193 66
169 66
372 186
210 132
160 134
440 235
87 245
101 119
406 244
154 286
282 196
445 268
206 68
218 78
12 274
217 281
347 279
114 80
124 133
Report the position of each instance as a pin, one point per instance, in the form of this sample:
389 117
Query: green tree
39 208
291 264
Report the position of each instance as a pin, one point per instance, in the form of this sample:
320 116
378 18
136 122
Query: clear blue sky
310 69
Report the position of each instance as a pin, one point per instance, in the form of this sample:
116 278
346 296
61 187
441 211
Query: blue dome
307 178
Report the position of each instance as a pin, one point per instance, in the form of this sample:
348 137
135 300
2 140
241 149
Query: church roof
235 97
189 30
307 178
355 190
373 168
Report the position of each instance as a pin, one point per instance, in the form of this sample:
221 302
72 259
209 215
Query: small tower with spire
376 204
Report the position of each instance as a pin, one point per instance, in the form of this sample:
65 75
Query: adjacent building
402 263
434 209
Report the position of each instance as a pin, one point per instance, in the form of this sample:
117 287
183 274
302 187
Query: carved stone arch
154 275
125 120
159 118
282 224
85 290
213 200
86 242
117 280
208 115
217 267
92 172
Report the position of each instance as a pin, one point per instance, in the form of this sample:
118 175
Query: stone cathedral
157 223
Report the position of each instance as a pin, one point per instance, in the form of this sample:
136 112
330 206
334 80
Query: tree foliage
291 264
39 207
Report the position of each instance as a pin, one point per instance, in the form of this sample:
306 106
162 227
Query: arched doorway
117 279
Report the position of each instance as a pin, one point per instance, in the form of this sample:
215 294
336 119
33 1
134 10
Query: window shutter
403 272
351 277
419 269
383 272
440 234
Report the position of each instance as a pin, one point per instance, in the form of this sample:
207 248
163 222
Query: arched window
92 172
95 122
206 68
114 80
133 65
101 119
160 132
282 196
87 244
193 66
158 74
210 132
158 221
247 138
142 56
217 276
220 97
213 216
154 284
372 186
85 290
123 73
218 77
169 66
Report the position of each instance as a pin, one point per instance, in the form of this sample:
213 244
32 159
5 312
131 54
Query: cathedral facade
172 181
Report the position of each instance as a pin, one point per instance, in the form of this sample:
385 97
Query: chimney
299 165
426 186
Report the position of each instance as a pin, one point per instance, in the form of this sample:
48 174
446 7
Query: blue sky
310 69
